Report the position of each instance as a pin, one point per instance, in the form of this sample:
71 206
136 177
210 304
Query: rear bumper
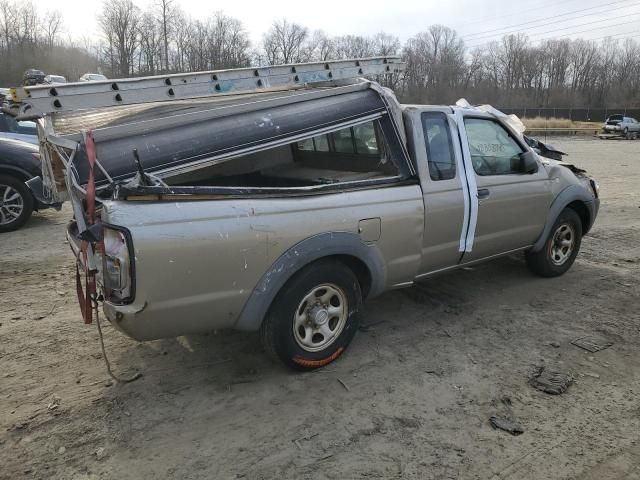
151 320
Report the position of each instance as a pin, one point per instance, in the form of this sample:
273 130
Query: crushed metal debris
591 344
548 381
507 424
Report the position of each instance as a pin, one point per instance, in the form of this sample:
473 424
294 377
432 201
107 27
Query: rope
104 353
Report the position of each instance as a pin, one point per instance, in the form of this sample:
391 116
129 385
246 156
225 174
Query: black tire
552 260
8 224
277 330
626 134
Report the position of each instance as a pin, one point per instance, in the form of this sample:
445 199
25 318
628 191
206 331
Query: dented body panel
198 262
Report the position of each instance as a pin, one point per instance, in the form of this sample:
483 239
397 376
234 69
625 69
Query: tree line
31 39
510 72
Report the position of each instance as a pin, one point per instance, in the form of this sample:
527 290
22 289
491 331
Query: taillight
117 274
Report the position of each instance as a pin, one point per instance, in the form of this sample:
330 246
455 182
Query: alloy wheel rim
320 317
11 204
562 244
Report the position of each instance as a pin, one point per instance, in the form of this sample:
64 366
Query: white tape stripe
469 230
453 124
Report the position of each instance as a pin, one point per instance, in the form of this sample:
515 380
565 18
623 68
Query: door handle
483 193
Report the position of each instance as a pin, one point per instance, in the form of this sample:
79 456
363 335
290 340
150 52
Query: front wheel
16 203
314 317
561 247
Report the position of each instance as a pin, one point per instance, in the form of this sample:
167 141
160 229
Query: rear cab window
493 149
352 153
439 145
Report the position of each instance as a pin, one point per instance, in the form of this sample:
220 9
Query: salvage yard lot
411 398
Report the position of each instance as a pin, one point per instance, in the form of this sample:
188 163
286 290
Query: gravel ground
411 398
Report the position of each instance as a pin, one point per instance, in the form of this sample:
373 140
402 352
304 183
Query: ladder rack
40 100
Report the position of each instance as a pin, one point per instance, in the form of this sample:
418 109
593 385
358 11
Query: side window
307 144
315 144
440 154
343 141
493 150
365 139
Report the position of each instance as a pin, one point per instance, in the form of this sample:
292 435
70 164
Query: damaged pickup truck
281 209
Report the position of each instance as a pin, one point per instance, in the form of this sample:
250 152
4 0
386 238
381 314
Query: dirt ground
411 398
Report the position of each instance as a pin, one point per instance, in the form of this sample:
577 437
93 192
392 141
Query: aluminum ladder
40 100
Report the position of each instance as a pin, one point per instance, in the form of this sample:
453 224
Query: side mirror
528 162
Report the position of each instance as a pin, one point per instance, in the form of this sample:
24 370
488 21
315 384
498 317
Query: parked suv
627 126
33 77
282 211
19 163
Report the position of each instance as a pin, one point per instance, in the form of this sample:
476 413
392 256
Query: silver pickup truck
282 211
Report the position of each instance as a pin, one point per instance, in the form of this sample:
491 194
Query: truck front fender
302 254
569 195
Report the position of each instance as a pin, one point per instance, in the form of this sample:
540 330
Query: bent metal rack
37 101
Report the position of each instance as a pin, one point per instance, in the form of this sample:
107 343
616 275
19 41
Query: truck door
436 150
512 205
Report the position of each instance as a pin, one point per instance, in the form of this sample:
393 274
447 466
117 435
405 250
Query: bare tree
182 36
320 47
228 43
51 25
284 42
120 21
435 64
150 44
353 46
8 22
167 17
384 44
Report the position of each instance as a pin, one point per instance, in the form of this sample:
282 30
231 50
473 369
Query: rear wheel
314 317
16 203
561 247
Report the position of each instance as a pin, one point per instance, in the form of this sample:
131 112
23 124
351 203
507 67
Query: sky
477 21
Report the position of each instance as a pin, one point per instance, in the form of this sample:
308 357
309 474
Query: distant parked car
33 77
18 130
19 163
49 79
92 77
627 126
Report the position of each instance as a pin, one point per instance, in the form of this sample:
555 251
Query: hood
552 162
